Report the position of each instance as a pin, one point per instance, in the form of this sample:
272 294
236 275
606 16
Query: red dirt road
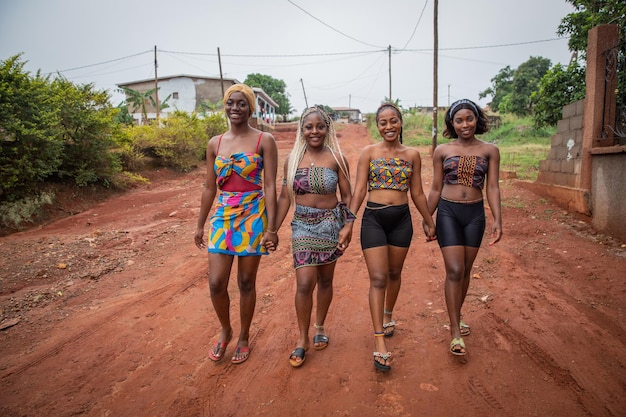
107 313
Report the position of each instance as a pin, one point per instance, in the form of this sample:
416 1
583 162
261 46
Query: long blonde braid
299 147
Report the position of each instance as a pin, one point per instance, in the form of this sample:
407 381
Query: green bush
178 142
15 213
51 130
30 133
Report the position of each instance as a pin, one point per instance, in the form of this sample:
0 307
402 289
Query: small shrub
14 214
126 180
131 158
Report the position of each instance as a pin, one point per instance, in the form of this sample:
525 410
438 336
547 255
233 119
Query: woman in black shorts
462 168
387 171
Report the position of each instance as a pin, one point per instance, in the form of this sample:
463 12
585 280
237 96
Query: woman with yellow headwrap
241 171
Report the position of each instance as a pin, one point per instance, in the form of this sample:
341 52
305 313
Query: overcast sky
334 51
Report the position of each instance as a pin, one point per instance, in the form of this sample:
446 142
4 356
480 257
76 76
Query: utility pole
350 101
305 100
219 60
156 83
390 99
435 81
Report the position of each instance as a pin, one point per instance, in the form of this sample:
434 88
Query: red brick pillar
597 103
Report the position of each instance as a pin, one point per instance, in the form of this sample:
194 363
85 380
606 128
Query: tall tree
274 88
561 86
588 14
512 89
501 86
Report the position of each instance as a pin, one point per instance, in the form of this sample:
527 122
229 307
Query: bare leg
397 255
470 256
454 259
219 274
246 279
306 278
378 269
325 274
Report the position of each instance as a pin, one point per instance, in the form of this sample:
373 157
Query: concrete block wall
562 166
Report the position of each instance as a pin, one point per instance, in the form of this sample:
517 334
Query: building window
175 95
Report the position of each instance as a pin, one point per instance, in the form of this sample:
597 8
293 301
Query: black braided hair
390 106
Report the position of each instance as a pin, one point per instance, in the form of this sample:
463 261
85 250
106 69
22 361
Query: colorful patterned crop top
390 174
315 180
246 165
469 170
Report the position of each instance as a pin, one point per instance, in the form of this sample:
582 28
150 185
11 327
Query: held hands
345 236
270 240
429 231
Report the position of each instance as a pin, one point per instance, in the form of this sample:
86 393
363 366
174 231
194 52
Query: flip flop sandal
241 355
220 348
381 366
388 325
298 353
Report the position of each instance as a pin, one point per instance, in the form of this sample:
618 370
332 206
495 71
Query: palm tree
138 100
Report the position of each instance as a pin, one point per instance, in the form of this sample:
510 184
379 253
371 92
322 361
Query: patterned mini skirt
315 234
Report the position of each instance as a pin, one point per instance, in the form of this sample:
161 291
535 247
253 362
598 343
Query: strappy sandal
391 324
384 356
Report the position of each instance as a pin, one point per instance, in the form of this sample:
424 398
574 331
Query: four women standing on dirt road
248 216
388 171
313 171
242 165
462 168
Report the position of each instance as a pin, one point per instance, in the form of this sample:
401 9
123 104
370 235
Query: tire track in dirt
103 322
542 359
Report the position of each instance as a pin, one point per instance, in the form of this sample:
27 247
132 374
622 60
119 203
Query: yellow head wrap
246 91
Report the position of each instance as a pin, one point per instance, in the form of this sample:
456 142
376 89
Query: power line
104 62
416 25
487 46
278 55
330 27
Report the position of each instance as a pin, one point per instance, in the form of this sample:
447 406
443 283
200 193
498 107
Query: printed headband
456 104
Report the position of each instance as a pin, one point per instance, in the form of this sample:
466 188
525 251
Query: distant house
353 115
265 108
188 93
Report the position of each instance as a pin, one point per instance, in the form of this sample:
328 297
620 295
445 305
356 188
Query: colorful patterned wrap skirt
238 224
315 234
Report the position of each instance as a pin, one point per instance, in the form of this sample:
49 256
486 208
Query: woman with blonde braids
313 170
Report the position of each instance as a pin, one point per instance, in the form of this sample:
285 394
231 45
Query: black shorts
386 225
460 224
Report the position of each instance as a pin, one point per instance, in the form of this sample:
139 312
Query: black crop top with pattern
390 174
315 180
468 170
